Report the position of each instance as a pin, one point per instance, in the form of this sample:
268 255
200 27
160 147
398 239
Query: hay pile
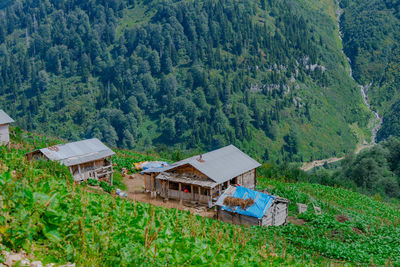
235 201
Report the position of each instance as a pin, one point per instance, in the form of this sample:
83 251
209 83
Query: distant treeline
375 172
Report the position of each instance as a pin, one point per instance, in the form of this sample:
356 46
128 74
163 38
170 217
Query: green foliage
374 171
371 40
390 123
45 213
371 233
93 182
189 74
107 187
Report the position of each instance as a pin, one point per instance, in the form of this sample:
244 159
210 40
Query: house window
186 188
173 186
203 191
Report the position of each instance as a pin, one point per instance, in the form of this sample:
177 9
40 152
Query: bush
106 187
93 182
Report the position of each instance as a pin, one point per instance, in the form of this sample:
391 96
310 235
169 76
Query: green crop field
55 220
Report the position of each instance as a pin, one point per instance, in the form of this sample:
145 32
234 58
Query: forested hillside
374 171
371 40
268 76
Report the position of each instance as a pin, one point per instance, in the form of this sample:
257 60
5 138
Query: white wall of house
4 134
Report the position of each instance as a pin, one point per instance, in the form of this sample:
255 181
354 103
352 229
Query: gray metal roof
4 118
219 165
78 152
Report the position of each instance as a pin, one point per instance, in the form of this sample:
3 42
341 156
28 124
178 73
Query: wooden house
202 178
85 159
267 210
5 120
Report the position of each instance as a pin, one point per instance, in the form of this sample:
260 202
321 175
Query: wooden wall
4 134
86 169
189 169
36 155
247 179
165 192
276 214
236 218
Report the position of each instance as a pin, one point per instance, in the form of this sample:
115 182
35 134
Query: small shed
5 120
266 210
204 177
85 159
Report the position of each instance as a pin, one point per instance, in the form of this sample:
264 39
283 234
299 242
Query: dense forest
371 40
374 172
267 76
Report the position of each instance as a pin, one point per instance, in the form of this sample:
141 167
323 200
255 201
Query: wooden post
153 193
209 194
79 170
145 182
151 182
192 191
255 178
167 189
112 172
180 191
199 192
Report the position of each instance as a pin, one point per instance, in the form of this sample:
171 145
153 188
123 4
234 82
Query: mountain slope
268 76
55 220
371 40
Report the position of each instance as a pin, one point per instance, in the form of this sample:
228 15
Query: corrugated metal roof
220 165
262 202
78 152
4 118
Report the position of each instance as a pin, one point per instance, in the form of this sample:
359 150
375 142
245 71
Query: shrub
93 182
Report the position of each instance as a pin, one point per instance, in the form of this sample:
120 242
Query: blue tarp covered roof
262 202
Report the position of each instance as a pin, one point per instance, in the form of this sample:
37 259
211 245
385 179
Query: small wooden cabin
267 210
85 159
202 178
5 120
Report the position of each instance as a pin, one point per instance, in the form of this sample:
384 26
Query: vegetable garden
55 220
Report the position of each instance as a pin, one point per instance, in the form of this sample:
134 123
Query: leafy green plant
107 187
93 182
45 213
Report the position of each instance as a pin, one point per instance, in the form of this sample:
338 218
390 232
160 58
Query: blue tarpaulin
262 202
154 165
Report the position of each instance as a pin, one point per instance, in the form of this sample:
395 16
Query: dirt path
135 192
316 163
311 165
